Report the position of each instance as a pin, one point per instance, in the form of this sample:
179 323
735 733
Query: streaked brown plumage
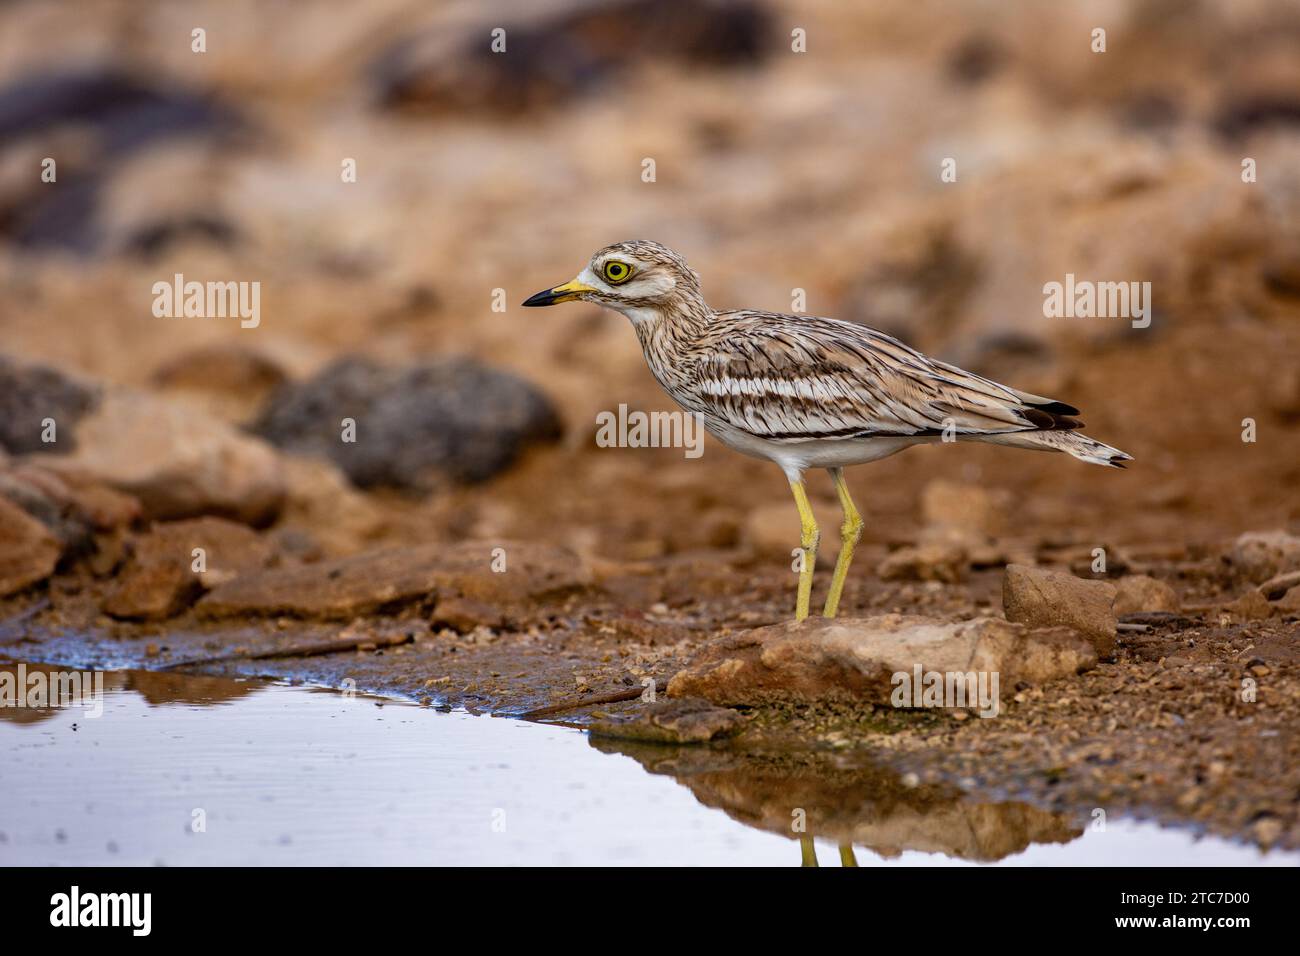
810 392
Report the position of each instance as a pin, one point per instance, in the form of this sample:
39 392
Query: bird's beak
561 293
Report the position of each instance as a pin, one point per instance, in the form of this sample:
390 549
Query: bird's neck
670 336
684 317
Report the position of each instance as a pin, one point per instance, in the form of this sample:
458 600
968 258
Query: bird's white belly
825 453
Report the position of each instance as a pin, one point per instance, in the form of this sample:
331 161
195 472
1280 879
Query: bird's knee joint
851 530
811 537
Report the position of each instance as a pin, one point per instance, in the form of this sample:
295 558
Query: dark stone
575 50
1249 114
453 417
129 112
29 394
124 114
155 238
977 59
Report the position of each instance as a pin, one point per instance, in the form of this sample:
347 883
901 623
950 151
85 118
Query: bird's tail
1071 442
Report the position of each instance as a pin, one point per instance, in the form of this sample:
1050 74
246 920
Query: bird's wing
794 378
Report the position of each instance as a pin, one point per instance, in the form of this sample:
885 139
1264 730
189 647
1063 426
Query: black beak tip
545 297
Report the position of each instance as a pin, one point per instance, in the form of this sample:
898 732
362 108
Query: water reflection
166 687
850 802
294 775
34 693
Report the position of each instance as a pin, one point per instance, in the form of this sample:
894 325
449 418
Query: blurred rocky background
775 170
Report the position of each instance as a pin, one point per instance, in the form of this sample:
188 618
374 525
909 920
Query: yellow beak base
561 293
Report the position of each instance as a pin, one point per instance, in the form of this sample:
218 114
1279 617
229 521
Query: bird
808 392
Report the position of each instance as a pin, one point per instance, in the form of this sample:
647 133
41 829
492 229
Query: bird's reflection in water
808 853
850 801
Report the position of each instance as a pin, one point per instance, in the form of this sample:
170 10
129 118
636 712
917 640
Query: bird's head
637 278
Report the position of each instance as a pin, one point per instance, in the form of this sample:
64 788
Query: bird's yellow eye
616 272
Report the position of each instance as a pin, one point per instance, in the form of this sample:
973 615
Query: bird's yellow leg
809 536
846 855
850 532
807 852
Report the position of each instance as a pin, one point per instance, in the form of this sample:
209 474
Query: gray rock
454 417
30 394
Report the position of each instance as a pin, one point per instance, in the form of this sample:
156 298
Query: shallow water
278 774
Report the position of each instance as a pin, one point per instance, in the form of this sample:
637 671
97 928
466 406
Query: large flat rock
380 580
856 659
